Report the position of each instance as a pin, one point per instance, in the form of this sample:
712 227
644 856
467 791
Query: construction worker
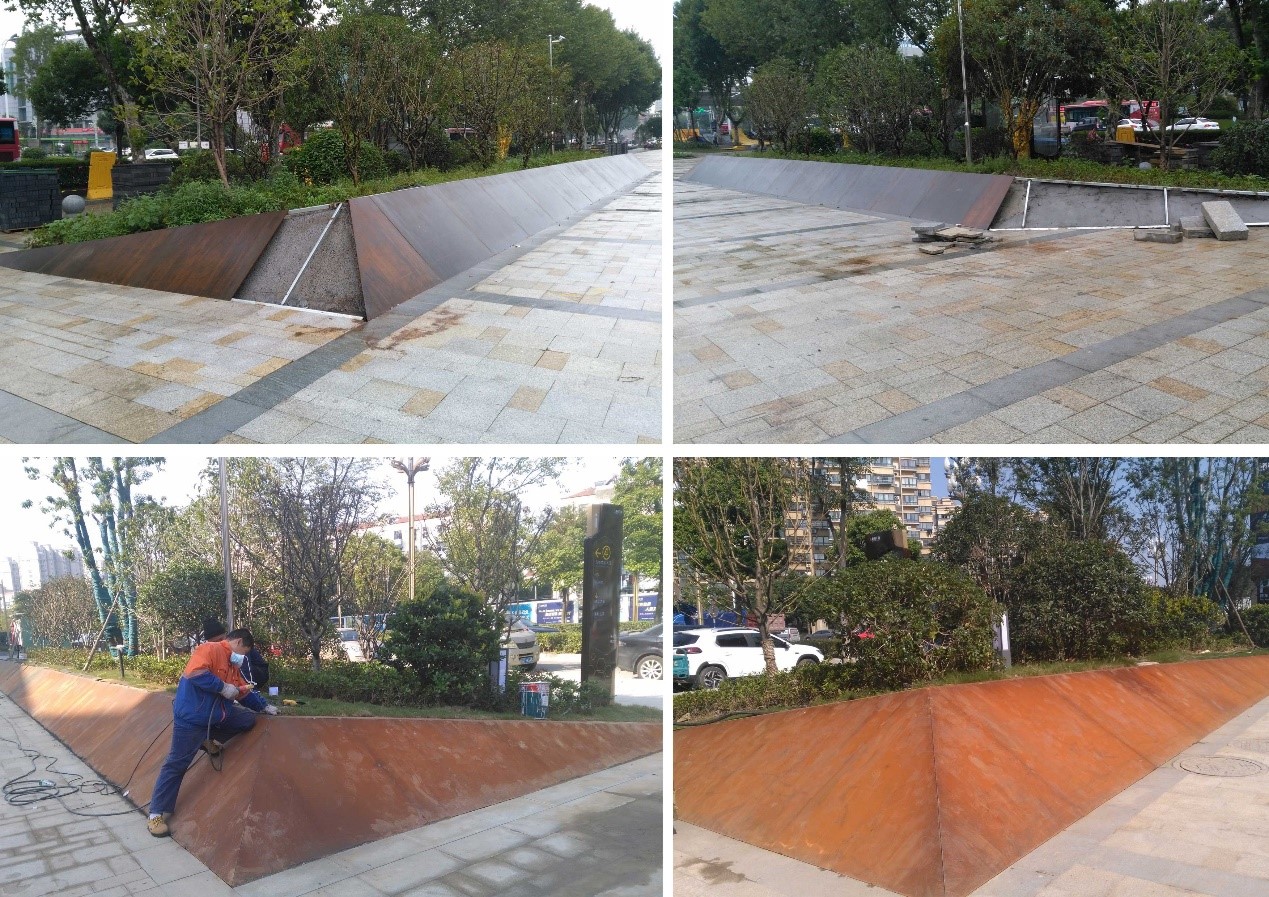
211 706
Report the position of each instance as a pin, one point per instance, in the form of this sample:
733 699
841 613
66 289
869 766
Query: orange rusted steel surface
295 789
210 259
933 792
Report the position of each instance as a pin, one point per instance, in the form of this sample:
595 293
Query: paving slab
573 311
936 349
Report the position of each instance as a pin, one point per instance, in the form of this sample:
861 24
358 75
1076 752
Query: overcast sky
178 481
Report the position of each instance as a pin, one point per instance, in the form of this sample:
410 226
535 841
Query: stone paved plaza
1172 834
596 836
803 324
556 340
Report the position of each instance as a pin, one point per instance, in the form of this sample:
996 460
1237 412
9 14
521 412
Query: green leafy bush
814 142
1077 600
34 153
925 620
321 159
1256 619
800 687
446 641
200 165
569 638
1244 149
1182 621
343 680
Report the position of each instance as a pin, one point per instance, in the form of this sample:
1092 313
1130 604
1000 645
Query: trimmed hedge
569 639
805 685
72 174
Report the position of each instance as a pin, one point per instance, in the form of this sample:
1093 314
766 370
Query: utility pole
551 41
224 546
410 467
960 24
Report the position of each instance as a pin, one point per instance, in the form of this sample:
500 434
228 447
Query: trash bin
535 698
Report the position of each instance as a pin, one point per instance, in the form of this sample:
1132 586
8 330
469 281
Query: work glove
229 691
271 710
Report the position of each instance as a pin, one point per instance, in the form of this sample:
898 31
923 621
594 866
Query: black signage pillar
601 594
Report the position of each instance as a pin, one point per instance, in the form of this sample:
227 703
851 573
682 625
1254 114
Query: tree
777 101
833 499
758 31
178 598
101 25
487 538
61 612
219 56
560 553
1164 50
306 510
639 492
1018 47
489 80
375 580
416 100
1081 495
633 85
109 492
729 519
694 46
872 95
69 86
989 538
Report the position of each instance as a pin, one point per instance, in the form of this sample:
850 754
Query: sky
178 481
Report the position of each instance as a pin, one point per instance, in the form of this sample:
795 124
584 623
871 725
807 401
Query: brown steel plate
933 792
949 196
297 789
210 259
391 271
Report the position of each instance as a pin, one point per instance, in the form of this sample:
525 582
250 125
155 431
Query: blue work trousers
185 743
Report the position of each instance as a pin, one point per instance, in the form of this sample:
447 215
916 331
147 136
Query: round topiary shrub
321 159
1244 149
814 142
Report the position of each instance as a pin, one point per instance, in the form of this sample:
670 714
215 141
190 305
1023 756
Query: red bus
10 149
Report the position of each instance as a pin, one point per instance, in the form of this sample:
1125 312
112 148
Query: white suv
713 655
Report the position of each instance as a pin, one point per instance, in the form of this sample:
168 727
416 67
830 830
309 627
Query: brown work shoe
215 755
158 827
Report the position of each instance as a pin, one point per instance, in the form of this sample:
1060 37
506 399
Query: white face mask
236 659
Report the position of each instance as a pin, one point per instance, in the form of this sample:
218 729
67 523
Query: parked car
714 655
1197 123
522 646
642 653
161 154
350 645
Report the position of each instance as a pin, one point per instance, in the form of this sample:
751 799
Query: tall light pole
224 546
410 467
960 25
551 41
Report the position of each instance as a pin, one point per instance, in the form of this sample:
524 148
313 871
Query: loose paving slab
1172 833
555 340
598 834
797 323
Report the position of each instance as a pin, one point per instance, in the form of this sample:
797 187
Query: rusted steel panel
298 789
210 259
954 197
391 271
937 790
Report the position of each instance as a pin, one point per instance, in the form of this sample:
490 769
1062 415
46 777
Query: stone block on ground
1224 221
1195 226
934 250
1154 235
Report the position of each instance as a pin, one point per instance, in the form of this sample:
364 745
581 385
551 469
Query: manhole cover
1220 766
1259 745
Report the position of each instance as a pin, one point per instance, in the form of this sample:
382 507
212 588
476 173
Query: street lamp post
551 41
960 25
410 467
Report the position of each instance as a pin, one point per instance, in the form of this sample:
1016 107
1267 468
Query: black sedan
642 653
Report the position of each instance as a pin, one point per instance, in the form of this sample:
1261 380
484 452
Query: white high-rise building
34 564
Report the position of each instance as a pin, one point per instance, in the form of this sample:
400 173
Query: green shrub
569 638
72 174
321 159
814 142
200 165
800 687
1077 600
1182 621
343 680
1244 149
926 620
446 641
34 153
1256 619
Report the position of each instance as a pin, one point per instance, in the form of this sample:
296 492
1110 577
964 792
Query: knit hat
212 628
